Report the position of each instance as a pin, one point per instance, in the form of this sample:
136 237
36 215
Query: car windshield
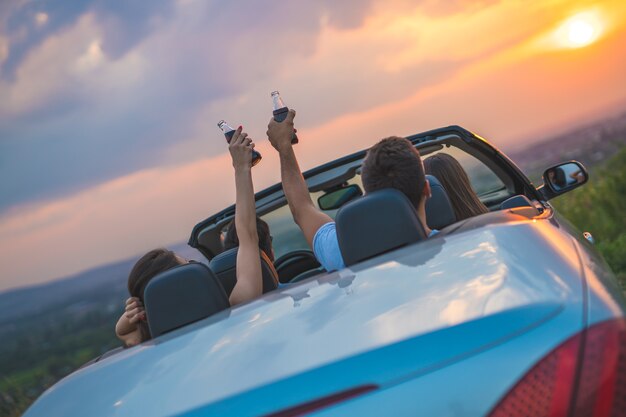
286 234
485 182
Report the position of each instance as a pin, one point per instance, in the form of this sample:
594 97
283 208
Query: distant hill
80 287
591 144
79 291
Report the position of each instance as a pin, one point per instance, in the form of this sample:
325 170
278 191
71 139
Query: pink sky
506 70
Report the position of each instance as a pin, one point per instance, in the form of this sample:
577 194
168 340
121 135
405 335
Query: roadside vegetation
39 350
598 208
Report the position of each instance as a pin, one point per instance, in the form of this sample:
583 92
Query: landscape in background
50 330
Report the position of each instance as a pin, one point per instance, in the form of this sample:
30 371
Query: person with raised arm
391 163
249 279
132 327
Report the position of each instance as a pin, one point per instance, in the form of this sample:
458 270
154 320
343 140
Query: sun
580 33
579 30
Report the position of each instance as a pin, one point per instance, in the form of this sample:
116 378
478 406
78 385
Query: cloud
62 128
101 91
98 112
125 216
27 24
41 18
435 8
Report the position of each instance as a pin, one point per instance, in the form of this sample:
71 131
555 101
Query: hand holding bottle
229 133
281 134
241 148
280 112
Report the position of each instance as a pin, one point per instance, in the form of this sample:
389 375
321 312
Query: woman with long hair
454 179
132 328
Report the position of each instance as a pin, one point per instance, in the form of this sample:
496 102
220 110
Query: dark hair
455 181
394 163
146 268
559 177
231 240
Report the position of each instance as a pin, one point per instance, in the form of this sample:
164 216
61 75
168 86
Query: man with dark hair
394 163
391 163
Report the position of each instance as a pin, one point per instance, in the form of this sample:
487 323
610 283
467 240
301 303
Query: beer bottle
280 112
229 132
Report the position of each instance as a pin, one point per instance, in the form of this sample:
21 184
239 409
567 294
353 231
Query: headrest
224 266
182 295
377 223
439 211
295 263
516 201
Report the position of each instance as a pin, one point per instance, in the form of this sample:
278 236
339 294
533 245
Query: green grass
598 207
42 349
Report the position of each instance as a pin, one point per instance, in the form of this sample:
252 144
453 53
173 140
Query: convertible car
509 313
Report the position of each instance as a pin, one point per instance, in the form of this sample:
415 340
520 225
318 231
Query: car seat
224 266
295 263
377 223
182 295
439 211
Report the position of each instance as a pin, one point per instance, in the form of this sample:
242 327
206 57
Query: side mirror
563 178
337 198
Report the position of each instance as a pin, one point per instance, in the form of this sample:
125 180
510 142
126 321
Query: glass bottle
229 132
280 112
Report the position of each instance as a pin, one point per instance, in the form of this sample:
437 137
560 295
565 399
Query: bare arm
308 217
127 327
249 280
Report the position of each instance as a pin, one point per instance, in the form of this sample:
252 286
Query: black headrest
182 295
292 264
224 266
377 223
439 211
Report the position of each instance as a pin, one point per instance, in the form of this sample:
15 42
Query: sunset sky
108 110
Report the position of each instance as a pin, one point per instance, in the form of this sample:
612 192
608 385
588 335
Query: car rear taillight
318 404
595 358
602 383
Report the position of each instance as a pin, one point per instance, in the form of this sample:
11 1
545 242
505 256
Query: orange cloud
397 73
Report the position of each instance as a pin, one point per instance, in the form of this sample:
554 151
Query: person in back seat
248 268
132 328
455 181
391 163
265 238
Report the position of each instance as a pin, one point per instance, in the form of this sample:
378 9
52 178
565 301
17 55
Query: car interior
224 267
337 184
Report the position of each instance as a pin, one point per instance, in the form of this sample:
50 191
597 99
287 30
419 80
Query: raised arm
249 280
308 217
